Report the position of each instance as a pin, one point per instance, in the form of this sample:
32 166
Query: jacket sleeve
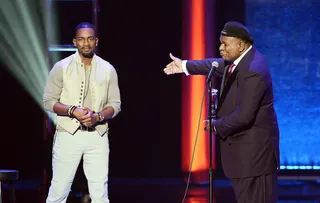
53 88
114 93
202 67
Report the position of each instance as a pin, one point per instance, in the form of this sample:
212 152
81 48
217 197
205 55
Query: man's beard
87 55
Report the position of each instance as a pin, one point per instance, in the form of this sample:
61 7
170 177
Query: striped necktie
230 69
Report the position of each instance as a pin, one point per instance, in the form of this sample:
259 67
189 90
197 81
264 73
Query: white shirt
237 61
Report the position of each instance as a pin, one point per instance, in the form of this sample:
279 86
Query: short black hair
85 25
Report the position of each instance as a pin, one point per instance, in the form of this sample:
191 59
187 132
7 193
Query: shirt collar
237 61
79 61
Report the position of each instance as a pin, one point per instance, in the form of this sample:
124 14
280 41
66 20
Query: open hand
174 67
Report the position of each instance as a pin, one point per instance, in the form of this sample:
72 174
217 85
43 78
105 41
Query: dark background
136 37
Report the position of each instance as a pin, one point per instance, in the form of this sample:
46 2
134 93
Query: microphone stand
211 116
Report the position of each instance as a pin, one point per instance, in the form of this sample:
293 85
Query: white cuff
184 67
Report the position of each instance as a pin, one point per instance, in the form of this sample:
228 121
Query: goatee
87 55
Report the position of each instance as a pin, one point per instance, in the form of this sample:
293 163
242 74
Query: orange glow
193 89
197 30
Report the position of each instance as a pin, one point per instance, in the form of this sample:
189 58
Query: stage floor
168 191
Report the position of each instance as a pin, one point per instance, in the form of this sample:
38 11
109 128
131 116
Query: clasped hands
86 116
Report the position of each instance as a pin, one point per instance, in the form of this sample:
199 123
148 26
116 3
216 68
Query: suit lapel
228 82
223 79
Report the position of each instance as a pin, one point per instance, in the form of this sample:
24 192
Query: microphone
214 65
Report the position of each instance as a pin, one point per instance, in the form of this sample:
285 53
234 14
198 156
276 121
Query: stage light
63 47
24 32
298 167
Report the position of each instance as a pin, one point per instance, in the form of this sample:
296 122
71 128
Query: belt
85 128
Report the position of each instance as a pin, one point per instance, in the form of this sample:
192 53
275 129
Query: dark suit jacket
246 119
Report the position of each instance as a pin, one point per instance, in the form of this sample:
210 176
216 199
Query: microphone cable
194 147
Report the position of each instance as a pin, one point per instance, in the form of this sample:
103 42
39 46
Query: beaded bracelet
70 110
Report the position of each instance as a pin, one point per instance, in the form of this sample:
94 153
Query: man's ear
74 42
241 46
97 41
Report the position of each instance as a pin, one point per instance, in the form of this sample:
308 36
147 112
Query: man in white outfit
83 91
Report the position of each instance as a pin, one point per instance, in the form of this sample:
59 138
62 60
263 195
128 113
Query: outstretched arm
202 67
194 67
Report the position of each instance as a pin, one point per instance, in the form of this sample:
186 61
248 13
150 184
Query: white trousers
66 154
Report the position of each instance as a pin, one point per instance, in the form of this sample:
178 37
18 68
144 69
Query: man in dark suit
246 120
